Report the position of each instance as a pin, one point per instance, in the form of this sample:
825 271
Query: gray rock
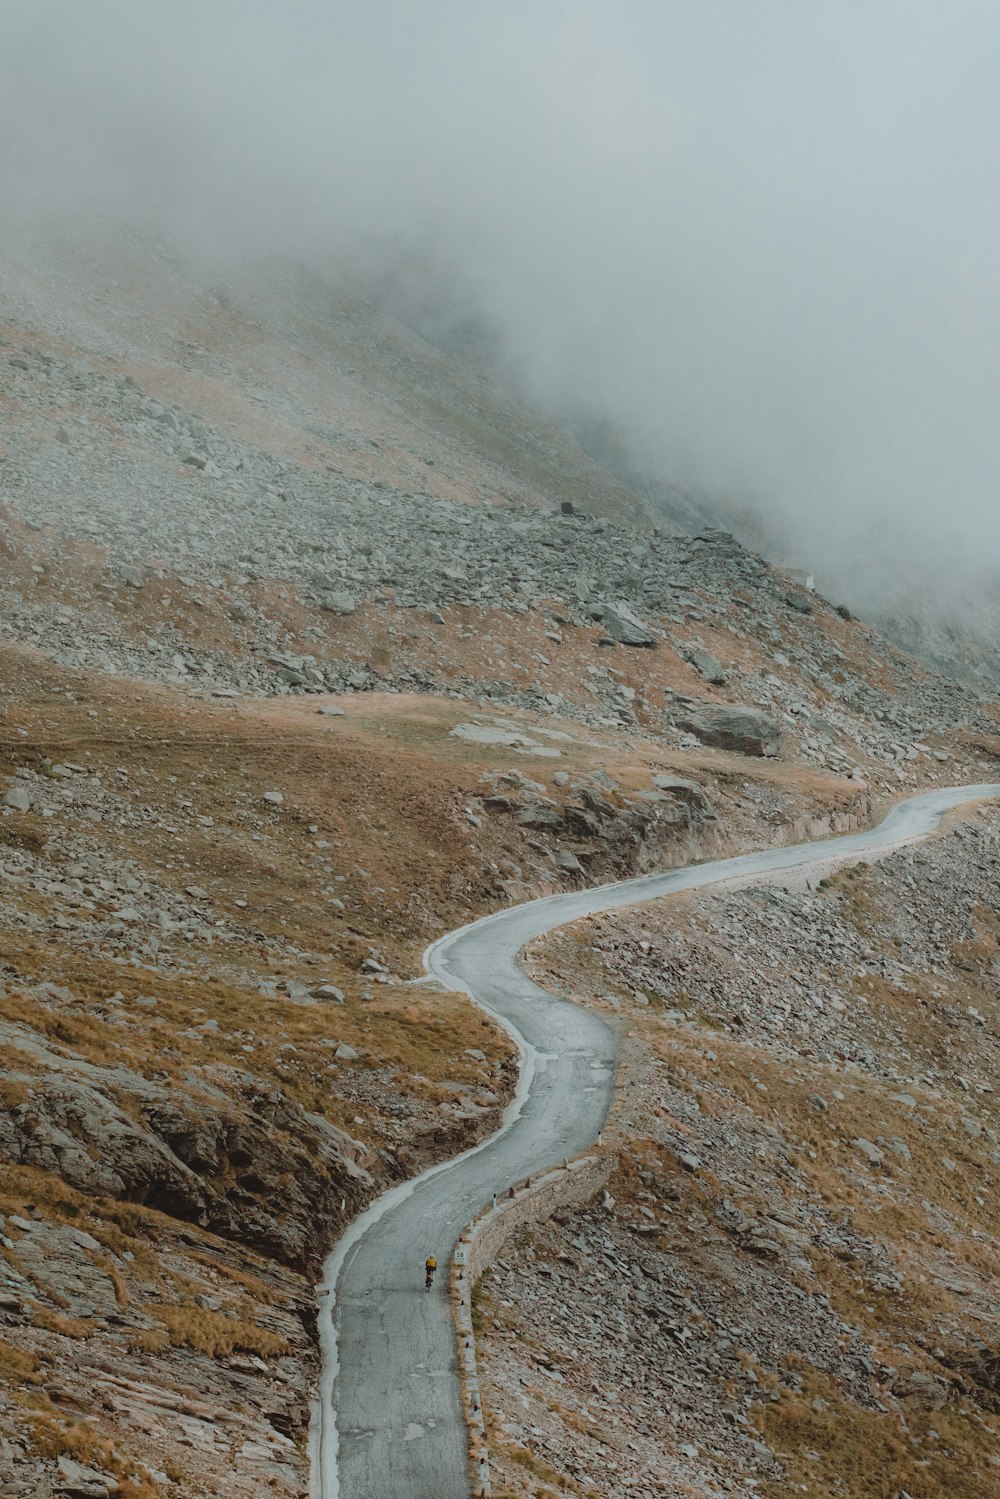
339 602
924 1390
869 1151
747 731
51 1253
273 798
172 1153
626 627
328 991
297 992
709 666
346 1053
18 799
798 601
83 1483
683 790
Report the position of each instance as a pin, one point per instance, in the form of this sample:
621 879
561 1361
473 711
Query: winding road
387 1420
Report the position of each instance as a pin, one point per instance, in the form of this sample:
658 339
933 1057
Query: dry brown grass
417 1032
829 1446
217 1335
53 1436
17 1366
78 1328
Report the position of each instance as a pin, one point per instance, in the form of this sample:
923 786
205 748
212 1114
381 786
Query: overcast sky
761 235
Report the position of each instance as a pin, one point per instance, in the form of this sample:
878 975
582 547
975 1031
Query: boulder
745 730
18 799
801 602
626 627
707 665
339 602
328 991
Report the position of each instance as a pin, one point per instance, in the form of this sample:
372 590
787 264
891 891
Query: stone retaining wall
530 1202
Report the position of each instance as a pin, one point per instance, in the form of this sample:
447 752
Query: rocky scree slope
186 542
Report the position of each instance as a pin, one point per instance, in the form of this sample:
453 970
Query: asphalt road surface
387 1422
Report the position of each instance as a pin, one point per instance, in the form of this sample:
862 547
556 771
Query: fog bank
759 241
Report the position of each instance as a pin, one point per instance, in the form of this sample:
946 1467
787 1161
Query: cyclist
430 1266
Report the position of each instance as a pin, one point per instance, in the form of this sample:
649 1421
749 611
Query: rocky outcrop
242 1161
747 731
610 832
689 792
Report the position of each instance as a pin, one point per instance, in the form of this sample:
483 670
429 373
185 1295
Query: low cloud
758 241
